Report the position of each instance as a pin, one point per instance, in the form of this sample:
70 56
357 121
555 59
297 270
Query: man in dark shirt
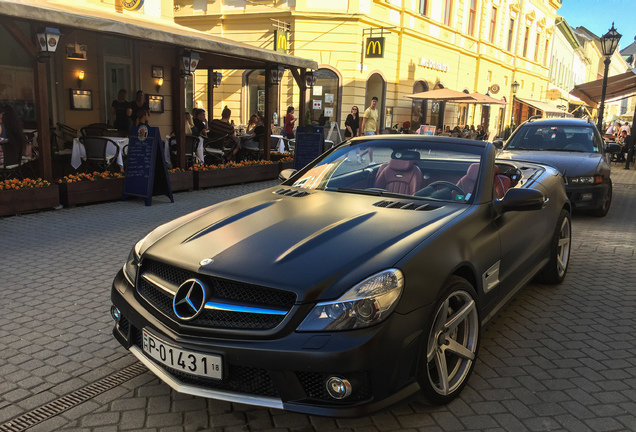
628 142
218 127
200 125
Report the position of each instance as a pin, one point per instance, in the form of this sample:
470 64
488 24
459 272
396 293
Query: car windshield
421 169
553 138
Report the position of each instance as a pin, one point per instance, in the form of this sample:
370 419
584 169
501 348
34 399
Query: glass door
117 77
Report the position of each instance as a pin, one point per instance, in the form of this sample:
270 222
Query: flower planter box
231 176
28 200
285 165
87 192
181 181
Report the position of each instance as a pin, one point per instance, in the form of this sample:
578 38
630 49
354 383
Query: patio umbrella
478 98
442 94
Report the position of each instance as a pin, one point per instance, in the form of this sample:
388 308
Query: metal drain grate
73 399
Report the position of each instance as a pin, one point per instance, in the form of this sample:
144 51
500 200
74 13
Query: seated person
199 127
256 133
224 127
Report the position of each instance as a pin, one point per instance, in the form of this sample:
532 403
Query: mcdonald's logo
375 47
280 41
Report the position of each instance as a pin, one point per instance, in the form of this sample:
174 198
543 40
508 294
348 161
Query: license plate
205 365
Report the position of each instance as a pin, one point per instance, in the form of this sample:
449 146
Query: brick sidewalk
557 358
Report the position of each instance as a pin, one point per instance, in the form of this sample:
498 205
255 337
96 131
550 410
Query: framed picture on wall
157 72
155 103
81 100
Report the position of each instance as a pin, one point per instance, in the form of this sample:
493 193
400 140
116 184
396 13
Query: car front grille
228 292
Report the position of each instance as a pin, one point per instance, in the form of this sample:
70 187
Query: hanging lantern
277 74
190 61
310 78
48 39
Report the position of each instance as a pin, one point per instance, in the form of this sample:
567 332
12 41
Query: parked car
353 284
576 149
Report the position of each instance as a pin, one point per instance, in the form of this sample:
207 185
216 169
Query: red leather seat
467 183
399 176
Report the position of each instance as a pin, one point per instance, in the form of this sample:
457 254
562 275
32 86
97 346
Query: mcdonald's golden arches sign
280 41
374 47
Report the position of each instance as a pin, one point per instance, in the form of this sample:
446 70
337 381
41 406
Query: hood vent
405 206
291 192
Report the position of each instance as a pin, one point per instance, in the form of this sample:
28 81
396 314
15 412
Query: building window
525 42
511 30
256 94
419 106
424 7
489 76
471 17
448 8
545 54
493 24
536 47
329 84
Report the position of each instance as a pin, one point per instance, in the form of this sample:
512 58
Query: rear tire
554 271
449 353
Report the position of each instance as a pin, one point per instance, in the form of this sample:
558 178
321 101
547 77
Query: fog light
115 313
338 388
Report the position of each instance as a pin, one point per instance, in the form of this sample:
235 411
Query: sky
598 15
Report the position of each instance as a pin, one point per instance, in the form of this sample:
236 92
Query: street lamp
609 42
515 88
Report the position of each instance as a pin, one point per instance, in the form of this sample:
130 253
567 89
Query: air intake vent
406 206
291 192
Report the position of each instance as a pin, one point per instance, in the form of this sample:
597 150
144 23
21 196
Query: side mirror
521 200
286 174
498 144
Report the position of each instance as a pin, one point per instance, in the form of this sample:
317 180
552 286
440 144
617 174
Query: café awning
441 94
229 54
623 85
478 98
550 111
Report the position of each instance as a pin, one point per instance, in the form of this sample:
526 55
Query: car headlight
369 302
586 180
132 263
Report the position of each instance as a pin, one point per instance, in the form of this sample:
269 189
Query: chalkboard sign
146 170
309 145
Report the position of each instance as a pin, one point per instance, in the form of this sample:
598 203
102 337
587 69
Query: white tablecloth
79 152
166 150
277 143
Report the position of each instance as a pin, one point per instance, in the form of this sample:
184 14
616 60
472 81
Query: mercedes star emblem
189 300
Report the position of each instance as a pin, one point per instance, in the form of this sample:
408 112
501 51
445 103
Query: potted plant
86 188
21 196
233 173
180 180
286 162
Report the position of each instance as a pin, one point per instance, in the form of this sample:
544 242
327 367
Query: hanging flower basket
91 188
230 174
25 196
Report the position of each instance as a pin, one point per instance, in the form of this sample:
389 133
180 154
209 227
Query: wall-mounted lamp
80 78
216 79
277 74
48 39
310 78
159 84
190 61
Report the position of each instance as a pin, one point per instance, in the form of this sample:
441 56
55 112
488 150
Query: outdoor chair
97 129
192 143
13 163
97 156
215 149
61 156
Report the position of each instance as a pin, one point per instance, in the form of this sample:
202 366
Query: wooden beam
23 40
42 114
178 113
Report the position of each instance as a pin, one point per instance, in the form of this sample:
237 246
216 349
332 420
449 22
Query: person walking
289 120
352 123
370 119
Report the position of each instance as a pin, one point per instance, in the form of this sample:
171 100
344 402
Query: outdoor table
79 152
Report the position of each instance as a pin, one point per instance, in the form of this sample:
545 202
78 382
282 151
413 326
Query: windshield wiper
380 193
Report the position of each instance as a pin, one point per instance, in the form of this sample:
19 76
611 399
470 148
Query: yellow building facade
464 45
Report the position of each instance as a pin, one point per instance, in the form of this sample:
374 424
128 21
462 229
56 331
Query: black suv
574 147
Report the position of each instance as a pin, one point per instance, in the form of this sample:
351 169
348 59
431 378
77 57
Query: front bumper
287 370
587 197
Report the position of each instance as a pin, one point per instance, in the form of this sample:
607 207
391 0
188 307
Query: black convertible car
353 284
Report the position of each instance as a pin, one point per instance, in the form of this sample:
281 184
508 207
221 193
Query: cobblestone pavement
556 359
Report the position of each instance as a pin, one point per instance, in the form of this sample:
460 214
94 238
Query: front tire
448 356
554 271
607 202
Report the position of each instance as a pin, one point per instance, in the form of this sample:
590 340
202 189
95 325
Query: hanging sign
280 41
132 5
374 47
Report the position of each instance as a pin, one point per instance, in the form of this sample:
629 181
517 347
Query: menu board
309 145
146 172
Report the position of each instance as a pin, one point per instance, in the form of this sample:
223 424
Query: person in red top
289 123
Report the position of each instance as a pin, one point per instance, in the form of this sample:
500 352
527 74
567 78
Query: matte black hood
296 243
